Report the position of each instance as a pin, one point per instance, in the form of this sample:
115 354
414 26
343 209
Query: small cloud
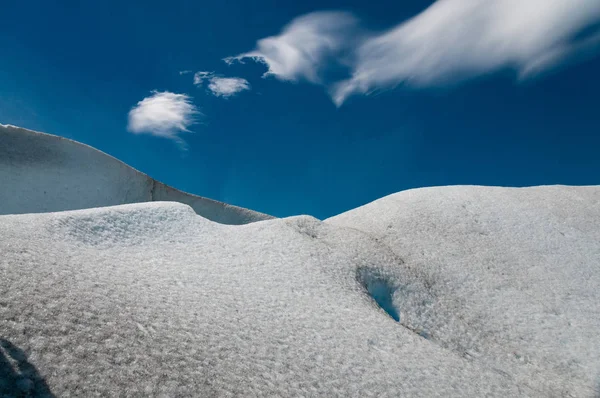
200 77
163 114
221 86
184 72
227 86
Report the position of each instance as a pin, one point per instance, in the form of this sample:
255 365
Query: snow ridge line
55 174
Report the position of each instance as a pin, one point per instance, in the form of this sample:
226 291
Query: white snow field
507 278
496 289
437 292
43 173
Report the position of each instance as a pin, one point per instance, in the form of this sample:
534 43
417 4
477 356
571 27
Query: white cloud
227 86
184 72
449 41
163 114
458 39
221 86
200 77
305 46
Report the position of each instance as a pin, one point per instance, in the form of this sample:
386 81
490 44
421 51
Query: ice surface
509 278
496 292
449 292
43 173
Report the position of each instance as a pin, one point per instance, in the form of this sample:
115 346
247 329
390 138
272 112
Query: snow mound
146 223
45 173
508 277
454 292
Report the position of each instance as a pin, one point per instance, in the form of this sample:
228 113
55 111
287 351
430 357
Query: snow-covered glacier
450 292
42 172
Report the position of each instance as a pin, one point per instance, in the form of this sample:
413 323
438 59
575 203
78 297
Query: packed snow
510 278
449 292
43 173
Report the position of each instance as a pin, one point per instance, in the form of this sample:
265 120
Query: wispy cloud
305 46
200 77
184 72
450 41
221 86
163 114
227 86
457 39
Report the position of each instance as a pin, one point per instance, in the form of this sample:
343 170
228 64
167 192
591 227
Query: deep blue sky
76 68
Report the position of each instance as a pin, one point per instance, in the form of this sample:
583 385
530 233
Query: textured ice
509 278
496 292
43 173
453 292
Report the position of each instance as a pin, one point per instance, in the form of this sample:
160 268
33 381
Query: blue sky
363 99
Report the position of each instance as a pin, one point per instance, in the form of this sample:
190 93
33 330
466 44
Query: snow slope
512 276
496 291
43 173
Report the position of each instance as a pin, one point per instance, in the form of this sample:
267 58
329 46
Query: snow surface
44 173
496 291
507 277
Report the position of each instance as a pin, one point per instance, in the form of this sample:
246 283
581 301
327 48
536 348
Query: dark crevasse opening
381 290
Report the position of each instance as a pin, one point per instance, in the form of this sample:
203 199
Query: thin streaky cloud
450 41
455 40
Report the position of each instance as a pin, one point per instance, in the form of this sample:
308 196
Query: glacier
448 291
43 173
